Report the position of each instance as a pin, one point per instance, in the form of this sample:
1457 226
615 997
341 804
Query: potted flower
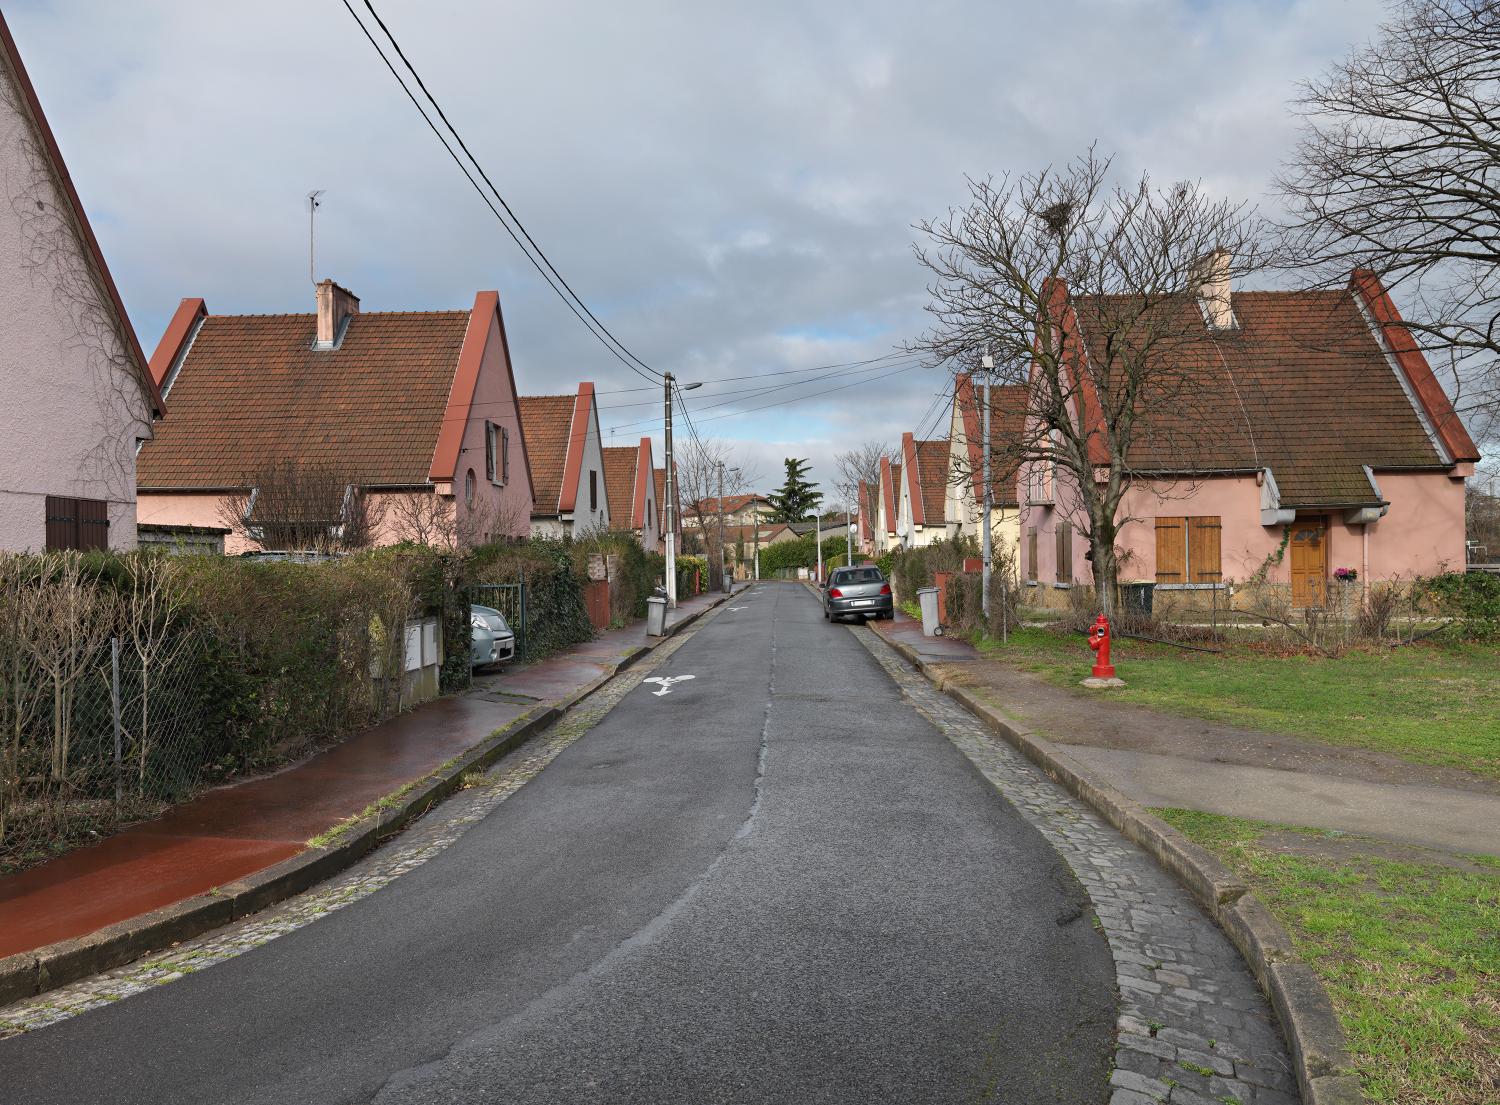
1346 575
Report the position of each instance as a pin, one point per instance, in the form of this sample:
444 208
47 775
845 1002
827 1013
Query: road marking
735 609
666 682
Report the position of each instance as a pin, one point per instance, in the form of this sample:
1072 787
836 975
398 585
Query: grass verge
1427 703
1407 942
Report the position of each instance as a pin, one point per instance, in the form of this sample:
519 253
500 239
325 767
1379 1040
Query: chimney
1212 275
336 306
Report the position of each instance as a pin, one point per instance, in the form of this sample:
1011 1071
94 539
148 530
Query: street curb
26 974
1315 1039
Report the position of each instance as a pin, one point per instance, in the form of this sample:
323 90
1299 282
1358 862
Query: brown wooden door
1309 560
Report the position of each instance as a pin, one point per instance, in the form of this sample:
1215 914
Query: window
489 451
1064 552
649 523
505 454
1187 551
593 490
76 523
1031 555
469 488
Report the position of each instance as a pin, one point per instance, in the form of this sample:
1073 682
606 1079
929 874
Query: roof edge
175 340
583 404
444 467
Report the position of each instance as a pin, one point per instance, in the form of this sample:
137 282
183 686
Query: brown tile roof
1302 387
619 483
252 390
546 419
731 503
932 478
1007 435
893 503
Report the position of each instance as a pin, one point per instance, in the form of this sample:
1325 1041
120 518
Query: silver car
493 641
862 590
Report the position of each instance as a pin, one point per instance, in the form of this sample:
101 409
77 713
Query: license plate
863 602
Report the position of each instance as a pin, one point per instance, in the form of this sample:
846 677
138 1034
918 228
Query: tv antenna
312 210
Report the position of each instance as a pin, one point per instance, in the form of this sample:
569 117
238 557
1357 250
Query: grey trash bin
927 599
656 616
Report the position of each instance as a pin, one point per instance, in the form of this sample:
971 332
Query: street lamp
668 381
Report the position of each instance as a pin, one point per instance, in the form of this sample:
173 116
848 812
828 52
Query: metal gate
510 600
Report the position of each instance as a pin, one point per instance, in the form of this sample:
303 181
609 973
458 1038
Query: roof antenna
312 210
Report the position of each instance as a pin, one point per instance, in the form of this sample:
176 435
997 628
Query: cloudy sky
730 187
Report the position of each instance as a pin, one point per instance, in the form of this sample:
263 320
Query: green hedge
555 613
913 568
636 575
1471 599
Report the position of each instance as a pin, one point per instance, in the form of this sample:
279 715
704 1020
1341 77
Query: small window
1064 552
649 523
489 451
593 490
469 488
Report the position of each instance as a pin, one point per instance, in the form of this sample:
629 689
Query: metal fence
510 600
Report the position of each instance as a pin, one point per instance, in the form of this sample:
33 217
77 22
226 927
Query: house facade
739 510
963 508
1338 452
887 499
566 452
923 492
79 396
413 413
630 483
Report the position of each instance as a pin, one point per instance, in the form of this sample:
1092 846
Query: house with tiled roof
739 510
79 398
866 520
413 412
923 489
887 496
566 452
630 485
1317 440
963 509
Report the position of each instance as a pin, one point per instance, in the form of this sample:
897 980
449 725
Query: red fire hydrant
1099 642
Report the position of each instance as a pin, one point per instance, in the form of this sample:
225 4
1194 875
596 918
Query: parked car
862 591
493 641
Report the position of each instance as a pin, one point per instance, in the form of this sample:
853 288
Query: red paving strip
936 649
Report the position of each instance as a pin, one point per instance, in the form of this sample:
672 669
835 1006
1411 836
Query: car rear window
860 575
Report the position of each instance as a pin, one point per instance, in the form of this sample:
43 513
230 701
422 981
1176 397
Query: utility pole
723 564
849 536
671 505
818 539
986 551
755 530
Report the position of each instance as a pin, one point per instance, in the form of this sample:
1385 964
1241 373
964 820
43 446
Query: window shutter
1031 554
1171 550
76 523
1203 550
505 454
489 451
1064 552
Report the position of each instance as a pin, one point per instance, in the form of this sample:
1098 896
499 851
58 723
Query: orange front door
1309 560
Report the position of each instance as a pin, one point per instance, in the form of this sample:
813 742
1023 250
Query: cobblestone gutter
1200 961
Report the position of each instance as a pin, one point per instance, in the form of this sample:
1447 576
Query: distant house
1335 448
739 510
963 508
79 398
415 411
887 499
921 515
866 521
567 463
630 484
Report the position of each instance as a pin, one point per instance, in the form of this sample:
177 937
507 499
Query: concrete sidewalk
1160 759
235 831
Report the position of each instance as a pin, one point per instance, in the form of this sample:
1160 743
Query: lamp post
723 563
987 539
668 381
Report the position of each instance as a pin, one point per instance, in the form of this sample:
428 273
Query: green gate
510 600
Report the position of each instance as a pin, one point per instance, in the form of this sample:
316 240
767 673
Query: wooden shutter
1031 554
76 523
1203 550
489 451
1064 552
1171 550
505 454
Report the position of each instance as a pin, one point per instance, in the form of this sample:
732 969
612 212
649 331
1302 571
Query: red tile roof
732 503
619 484
1007 435
546 421
251 390
931 472
1303 387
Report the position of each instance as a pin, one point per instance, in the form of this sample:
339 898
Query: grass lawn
1427 703
1409 950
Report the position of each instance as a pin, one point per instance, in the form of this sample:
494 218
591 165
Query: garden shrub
915 567
635 576
555 613
1471 599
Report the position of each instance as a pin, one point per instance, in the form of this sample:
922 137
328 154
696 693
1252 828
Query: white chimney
336 306
1213 290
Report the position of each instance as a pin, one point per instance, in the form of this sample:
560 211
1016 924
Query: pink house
630 482
79 399
417 409
1333 446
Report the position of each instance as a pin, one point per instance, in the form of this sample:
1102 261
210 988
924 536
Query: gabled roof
866 525
557 428
890 481
926 478
732 503
1007 431
628 483
1312 384
32 106
250 389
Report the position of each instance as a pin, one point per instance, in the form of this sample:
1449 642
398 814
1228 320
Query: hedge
555 613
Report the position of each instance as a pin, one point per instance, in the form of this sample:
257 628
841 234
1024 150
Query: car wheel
826 616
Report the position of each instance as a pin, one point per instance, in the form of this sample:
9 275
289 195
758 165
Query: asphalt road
776 883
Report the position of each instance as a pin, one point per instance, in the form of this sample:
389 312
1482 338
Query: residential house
79 396
963 508
1335 447
888 497
866 536
567 463
739 510
630 484
921 510
414 410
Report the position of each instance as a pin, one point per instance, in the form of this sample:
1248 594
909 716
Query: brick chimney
1213 290
335 306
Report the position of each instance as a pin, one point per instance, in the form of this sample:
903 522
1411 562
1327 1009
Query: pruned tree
292 505
1104 302
861 464
1398 171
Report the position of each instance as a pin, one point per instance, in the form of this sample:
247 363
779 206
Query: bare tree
302 506
699 462
1398 171
861 464
426 518
1104 302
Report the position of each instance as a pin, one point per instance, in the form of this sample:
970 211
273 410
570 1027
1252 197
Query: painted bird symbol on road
665 682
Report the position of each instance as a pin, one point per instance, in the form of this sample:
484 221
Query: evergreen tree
796 500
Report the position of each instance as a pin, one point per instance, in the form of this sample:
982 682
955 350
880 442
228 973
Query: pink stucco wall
510 505
73 409
1423 532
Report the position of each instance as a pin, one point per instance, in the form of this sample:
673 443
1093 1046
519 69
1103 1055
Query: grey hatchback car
862 590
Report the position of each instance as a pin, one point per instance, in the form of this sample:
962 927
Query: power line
554 278
892 356
759 390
